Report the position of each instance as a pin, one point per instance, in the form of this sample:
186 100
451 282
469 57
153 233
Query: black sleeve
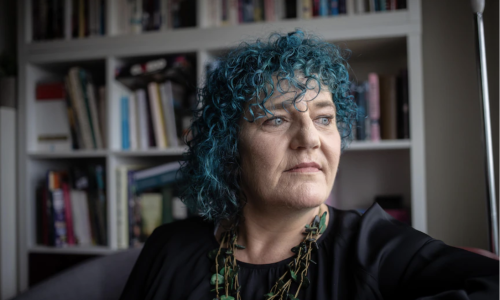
408 264
145 268
438 271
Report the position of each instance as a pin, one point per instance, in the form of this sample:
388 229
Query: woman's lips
305 168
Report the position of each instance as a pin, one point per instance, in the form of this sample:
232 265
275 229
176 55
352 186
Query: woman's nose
305 135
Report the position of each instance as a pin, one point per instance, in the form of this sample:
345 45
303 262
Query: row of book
71 207
59 19
65 19
146 198
155 107
383 107
77 110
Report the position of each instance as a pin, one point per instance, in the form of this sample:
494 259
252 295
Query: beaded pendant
225 269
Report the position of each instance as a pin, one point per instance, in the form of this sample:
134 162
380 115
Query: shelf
382 145
68 154
364 26
90 250
151 152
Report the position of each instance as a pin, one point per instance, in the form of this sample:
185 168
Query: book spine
156 114
79 106
165 17
167 204
233 12
374 107
388 124
101 203
94 116
361 133
45 216
132 116
342 7
84 81
50 91
132 211
76 141
403 106
169 113
360 6
142 119
154 181
59 218
334 7
307 12
102 115
125 123
68 214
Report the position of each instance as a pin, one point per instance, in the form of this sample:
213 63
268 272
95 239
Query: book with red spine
50 91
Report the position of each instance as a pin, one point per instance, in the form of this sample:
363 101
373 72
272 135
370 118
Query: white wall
456 186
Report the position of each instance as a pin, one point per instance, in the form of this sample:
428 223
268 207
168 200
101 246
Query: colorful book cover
59 219
125 123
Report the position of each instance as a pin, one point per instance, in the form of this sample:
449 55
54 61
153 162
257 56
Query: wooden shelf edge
89 250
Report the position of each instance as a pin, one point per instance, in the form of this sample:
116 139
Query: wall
456 186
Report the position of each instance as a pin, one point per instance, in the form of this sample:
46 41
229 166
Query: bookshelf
380 41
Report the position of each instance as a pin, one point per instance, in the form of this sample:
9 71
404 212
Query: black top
372 256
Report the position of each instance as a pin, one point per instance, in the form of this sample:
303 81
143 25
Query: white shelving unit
380 42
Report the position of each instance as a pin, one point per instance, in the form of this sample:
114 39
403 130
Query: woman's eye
277 121
325 121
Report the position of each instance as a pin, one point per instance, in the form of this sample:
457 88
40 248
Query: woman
274 118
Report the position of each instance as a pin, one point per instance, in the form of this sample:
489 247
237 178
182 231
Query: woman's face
291 159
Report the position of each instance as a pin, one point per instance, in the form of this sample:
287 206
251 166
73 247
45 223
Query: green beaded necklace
226 269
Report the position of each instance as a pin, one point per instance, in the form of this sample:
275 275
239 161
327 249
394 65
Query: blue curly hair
243 78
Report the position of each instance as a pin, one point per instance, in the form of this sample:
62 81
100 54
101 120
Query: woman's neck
268 233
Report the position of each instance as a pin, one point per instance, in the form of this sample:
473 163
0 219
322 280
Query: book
157 114
81 217
403 108
59 220
142 119
68 213
388 107
374 104
132 122
151 212
122 218
94 117
49 91
52 133
125 125
168 106
78 103
154 177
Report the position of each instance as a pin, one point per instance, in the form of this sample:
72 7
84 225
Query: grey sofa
99 278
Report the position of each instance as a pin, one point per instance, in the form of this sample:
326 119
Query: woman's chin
303 200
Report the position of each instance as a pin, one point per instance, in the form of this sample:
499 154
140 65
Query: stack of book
71 207
77 111
58 19
157 111
383 109
136 16
146 198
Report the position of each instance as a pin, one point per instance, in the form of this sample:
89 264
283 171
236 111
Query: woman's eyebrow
323 103
318 103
